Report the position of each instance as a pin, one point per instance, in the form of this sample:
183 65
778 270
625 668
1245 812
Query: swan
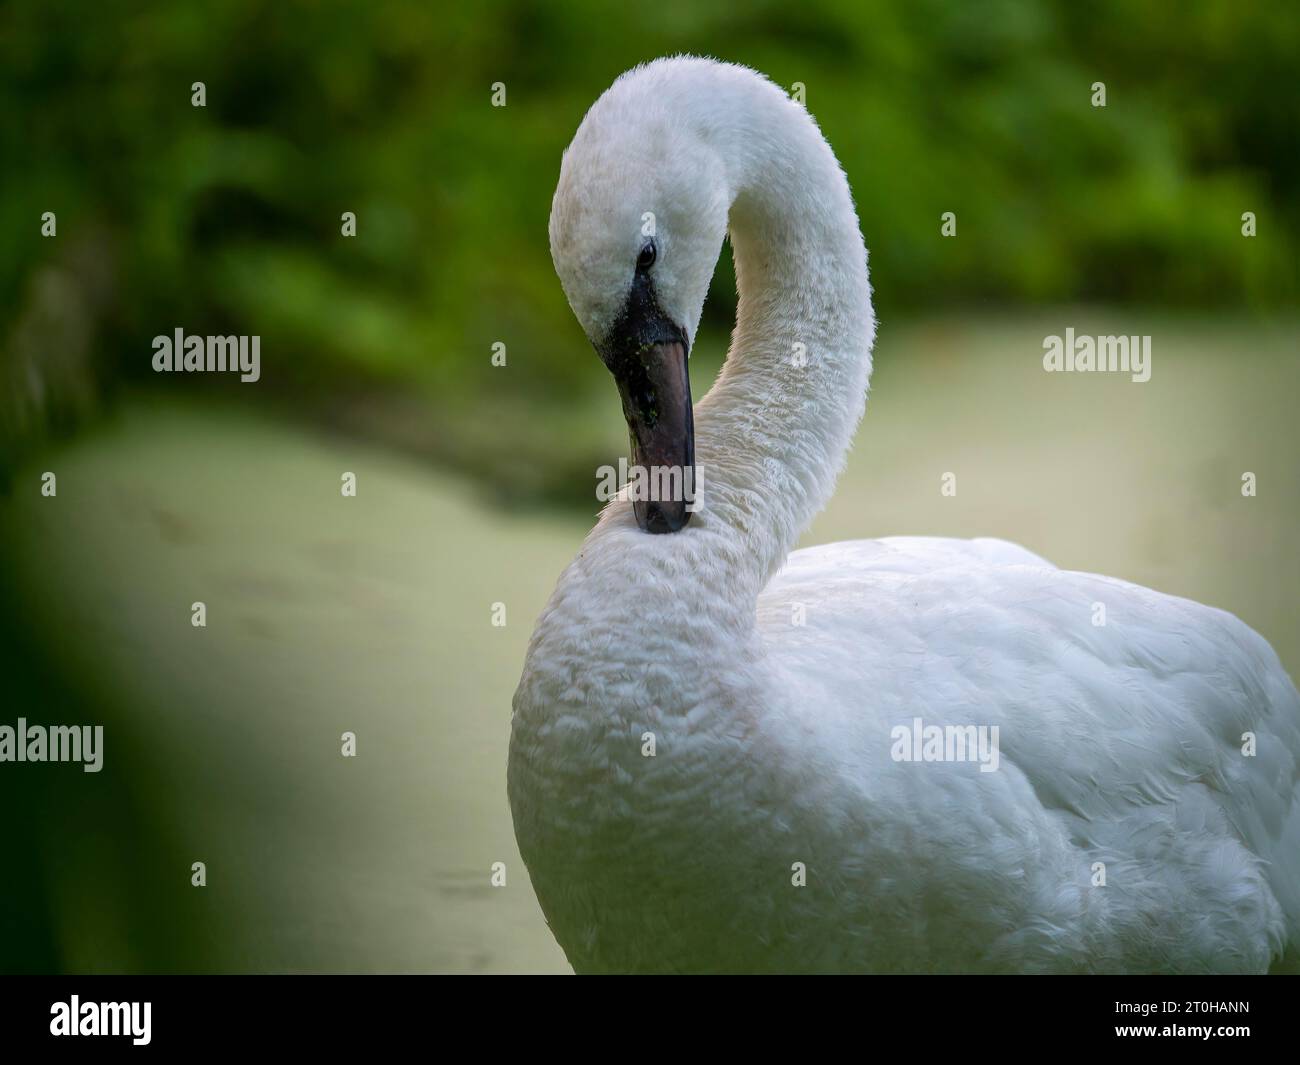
720 755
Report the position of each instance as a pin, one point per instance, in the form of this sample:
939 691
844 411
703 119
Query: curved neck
773 432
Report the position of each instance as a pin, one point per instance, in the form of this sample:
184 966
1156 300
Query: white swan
772 828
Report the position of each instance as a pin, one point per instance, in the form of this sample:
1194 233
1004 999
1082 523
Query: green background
475 482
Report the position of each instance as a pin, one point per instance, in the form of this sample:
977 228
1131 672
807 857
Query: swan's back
1124 743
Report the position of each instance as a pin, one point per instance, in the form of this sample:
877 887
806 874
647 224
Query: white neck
771 435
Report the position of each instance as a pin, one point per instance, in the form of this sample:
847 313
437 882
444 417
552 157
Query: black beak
647 353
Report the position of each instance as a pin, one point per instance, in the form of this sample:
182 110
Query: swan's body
772 685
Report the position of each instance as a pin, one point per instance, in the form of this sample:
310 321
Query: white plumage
770 687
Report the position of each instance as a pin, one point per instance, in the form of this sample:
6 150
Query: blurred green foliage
226 218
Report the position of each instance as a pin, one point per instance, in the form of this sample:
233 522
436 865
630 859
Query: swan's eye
648 255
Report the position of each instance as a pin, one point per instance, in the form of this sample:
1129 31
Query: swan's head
637 222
